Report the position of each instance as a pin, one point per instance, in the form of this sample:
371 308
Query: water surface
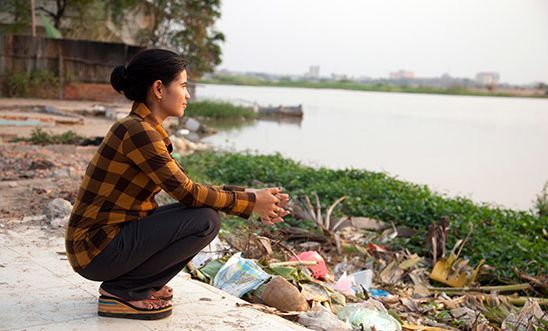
486 148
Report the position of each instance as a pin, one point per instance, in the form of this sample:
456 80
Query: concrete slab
41 292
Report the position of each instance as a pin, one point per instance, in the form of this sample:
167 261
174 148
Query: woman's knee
211 220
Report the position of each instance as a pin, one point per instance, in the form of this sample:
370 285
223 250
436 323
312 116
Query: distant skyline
373 38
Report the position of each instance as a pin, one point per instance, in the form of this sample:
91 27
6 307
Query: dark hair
145 68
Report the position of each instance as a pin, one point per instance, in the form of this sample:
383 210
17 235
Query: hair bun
118 78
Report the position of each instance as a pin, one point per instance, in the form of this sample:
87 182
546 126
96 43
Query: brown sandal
115 307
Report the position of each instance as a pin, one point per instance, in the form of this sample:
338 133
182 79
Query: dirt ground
33 175
91 125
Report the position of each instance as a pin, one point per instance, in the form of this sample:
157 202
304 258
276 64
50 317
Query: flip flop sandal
114 307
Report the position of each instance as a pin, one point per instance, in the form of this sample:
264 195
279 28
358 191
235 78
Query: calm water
489 149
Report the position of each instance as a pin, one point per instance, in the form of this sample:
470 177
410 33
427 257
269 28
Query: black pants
149 252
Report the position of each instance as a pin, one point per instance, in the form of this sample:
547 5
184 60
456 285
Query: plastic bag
210 252
320 319
368 314
239 276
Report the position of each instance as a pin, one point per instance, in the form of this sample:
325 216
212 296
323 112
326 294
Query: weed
541 204
42 137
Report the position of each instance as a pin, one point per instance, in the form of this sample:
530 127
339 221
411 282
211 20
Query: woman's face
176 96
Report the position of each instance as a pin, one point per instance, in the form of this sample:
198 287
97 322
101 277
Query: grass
42 137
39 84
356 86
219 110
505 238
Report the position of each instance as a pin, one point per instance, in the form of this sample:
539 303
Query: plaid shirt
130 167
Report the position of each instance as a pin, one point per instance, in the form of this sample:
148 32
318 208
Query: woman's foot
165 293
152 303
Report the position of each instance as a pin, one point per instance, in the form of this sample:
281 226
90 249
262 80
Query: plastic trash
378 293
344 284
319 271
362 279
353 283
320 319
369 314
210 252
239 276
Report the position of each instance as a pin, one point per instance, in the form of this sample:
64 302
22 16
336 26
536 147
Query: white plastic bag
370 313
239 276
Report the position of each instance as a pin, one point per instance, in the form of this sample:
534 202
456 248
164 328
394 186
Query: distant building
313 72
487 78
402 74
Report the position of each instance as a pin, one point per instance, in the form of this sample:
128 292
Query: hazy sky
374 37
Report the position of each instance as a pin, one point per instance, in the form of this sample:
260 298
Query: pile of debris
342 277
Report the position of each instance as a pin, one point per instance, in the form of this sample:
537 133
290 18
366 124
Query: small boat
294 111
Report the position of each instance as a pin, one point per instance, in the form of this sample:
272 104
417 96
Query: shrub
40 84
219 110
18 85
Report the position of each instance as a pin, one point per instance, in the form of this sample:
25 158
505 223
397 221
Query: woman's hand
269 203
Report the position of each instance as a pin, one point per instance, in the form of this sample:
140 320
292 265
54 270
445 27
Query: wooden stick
503 288
292 263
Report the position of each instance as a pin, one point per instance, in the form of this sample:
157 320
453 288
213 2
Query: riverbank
33 175
354 86
39 176
505 238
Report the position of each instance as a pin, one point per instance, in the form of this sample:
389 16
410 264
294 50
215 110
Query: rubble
57 212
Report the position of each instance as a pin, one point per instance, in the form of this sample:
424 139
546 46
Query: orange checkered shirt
129 168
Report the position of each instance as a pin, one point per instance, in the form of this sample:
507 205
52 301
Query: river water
489 149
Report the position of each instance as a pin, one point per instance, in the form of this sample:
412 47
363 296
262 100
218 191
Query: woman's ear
157 89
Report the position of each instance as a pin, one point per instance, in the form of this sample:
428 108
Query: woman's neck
156 111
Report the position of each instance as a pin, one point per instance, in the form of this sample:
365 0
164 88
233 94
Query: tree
20 14
57 14
188 27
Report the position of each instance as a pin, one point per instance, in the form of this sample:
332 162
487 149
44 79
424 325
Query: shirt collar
141 110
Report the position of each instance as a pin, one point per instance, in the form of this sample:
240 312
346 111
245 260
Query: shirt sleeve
215 187
228 188
144 146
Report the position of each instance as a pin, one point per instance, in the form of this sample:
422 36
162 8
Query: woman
116 233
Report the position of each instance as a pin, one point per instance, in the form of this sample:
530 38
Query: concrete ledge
41 292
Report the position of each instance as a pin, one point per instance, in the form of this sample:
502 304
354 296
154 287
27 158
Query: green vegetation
219 110
40 84
541 204
42 137
355 86
505 238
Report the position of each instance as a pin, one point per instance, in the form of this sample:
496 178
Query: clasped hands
269 204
